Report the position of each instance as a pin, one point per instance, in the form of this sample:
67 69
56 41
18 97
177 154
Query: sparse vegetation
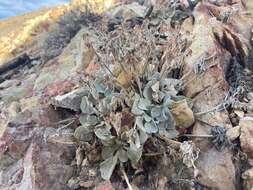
134 102
65 29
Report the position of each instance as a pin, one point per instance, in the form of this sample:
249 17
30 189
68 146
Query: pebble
233 133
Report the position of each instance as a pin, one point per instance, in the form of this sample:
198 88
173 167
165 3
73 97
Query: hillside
128 94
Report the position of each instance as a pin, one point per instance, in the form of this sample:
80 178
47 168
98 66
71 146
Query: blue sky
14 7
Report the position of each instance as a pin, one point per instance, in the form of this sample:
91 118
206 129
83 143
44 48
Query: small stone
138 180
35 62
246 121
247 177
239 113
92 173
233 133
182 114
246 137
86 184
71 100
250 161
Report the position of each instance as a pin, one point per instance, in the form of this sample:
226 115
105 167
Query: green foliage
130 102
153 111
121 128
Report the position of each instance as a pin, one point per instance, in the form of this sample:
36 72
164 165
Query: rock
16 93
30 154
85 40
233 133
239 113
24 148
207 89
128 11
246 137
216 169
71 100
86 184
183 115
9 83
247 177
29 103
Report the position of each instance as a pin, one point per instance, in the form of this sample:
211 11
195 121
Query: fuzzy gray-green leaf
104 105
170 133
108 151
107 167
88 120
150 127
103 134
135 109
168 102
139 121
147 92
165 115
156 111
86 106
134 153
100 88
147 118
143 136
144 104
83 134
123 157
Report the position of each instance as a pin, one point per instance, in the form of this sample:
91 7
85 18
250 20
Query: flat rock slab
71 100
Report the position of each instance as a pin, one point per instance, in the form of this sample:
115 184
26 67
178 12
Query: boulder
28 160
205 68
246 138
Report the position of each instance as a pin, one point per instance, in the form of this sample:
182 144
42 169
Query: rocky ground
142 95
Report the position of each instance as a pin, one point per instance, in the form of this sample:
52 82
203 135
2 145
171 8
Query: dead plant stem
126 178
